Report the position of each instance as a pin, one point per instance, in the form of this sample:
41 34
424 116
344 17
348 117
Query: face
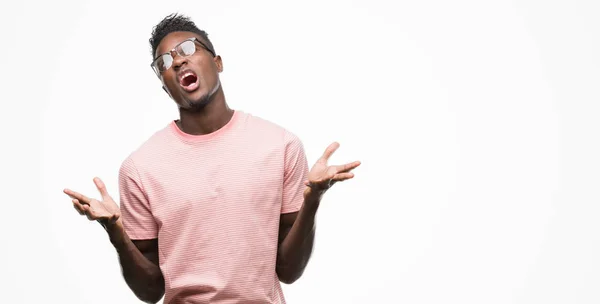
191 80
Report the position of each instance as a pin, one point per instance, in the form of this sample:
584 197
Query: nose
178 60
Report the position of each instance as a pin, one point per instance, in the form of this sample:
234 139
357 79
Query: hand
321 177
106 211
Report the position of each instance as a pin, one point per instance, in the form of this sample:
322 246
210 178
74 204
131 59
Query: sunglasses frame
170 53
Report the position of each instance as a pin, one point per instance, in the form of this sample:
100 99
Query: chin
195 104
197 100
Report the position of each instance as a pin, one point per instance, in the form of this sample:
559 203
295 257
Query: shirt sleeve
136 214
295 174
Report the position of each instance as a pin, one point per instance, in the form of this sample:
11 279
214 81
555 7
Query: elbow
290 270
288 281
289 276
150 296
152 292
153 301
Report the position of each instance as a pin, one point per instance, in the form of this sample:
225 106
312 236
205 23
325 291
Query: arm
139 264
297 230
138 259
296 238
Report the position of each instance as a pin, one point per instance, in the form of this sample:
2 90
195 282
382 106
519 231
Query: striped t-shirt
214 202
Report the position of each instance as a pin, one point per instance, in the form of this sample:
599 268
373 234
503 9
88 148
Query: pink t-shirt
214 203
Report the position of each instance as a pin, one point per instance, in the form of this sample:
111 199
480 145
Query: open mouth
188 81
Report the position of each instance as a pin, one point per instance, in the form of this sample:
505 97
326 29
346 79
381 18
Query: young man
218 206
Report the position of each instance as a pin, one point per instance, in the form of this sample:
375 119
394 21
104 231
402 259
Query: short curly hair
176 23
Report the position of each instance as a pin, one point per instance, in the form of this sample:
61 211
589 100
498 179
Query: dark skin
203 111
138 258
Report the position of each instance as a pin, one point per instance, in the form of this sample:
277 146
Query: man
218 206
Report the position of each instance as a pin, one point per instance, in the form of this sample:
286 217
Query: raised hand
105 211
322 176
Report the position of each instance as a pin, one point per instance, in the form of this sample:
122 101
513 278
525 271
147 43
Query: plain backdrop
477 124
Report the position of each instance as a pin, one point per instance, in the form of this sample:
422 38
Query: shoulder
149 150
268 129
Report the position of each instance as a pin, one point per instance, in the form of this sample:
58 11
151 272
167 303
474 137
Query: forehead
172 40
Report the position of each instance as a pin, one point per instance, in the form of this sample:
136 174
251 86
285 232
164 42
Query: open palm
106 211
322 176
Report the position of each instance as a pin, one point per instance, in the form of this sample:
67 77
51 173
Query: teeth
186 75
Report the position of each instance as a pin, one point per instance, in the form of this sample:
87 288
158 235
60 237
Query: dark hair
176 23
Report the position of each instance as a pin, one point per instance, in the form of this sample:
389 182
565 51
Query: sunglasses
184 49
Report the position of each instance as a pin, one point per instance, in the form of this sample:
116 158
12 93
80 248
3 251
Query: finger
88 212
102 188
78 207
343 176
78 196
113 219
347 167
324 179
329 151
82 209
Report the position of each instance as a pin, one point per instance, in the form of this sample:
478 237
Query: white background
477 123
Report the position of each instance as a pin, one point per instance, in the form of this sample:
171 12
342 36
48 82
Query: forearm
142 276
295 250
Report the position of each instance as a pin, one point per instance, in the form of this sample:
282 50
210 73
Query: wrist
116 232
312 197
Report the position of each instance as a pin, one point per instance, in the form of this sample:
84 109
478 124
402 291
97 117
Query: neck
211 118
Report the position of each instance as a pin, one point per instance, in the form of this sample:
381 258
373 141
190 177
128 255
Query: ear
219 63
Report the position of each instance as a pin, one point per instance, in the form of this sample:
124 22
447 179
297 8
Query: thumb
101 188
329 151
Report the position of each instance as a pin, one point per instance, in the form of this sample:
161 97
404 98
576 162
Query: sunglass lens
164 62
188 48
